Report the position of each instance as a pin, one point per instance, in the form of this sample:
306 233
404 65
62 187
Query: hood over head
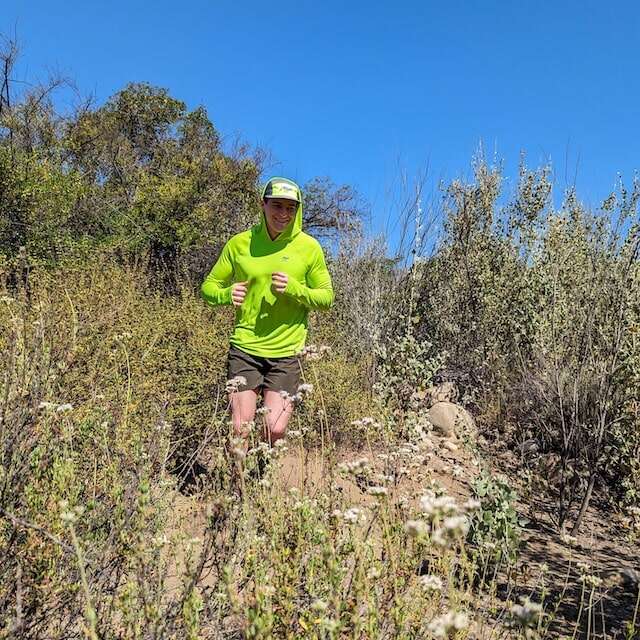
277 187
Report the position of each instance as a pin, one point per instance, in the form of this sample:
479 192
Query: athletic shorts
276 374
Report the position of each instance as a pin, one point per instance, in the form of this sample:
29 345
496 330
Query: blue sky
364 91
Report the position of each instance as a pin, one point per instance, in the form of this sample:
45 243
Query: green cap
282 188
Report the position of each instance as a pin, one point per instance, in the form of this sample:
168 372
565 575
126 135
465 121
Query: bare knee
276 422
276 429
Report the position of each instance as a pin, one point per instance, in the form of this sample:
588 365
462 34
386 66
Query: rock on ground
450 419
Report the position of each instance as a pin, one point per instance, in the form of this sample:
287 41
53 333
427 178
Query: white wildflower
352 515
583 566
436 507
233 385
459 525
453 528
569 540
374 573
280 447
408 449
68 517
444 626
471 504
319 605
47 405
431 583
238 448
304 504
416 528
366 422
63 408
354 467
262 449
293 399
163 427
312 352
159 541
526 614
590 580
305 388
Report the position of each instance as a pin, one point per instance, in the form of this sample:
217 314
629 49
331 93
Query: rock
625 577
630 577
450 419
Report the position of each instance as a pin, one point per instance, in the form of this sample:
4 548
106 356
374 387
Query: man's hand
279 281
238 293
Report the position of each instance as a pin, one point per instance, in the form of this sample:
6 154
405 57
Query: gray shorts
276 374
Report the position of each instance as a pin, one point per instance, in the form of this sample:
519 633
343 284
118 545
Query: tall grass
113 399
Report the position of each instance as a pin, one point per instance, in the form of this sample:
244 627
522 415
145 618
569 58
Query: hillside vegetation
126 511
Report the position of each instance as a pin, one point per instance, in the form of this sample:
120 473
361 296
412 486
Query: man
273 273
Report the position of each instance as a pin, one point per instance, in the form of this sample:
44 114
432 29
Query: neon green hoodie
268 324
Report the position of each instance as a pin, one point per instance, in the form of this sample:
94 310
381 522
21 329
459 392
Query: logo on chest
284 258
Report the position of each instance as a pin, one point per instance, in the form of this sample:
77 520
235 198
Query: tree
330 210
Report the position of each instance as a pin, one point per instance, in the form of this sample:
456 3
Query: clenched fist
238 293
279 281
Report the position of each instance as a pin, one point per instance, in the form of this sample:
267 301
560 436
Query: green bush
496 529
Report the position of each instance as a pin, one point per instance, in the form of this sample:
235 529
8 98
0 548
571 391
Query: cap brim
281 197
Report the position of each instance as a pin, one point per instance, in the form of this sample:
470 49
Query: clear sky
361 90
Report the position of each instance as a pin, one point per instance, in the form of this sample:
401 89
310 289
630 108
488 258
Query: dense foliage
112 393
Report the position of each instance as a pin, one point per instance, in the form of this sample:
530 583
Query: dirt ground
601 544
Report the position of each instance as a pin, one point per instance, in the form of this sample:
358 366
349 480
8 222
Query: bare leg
243 411
277 418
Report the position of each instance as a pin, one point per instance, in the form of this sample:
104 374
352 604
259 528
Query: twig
19 522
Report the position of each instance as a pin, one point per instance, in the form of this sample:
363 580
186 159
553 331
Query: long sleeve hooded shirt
269 324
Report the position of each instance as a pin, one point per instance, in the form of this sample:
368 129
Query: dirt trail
600 546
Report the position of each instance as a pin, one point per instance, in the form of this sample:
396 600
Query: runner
274 273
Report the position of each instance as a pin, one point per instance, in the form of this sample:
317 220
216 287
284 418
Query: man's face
278 213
